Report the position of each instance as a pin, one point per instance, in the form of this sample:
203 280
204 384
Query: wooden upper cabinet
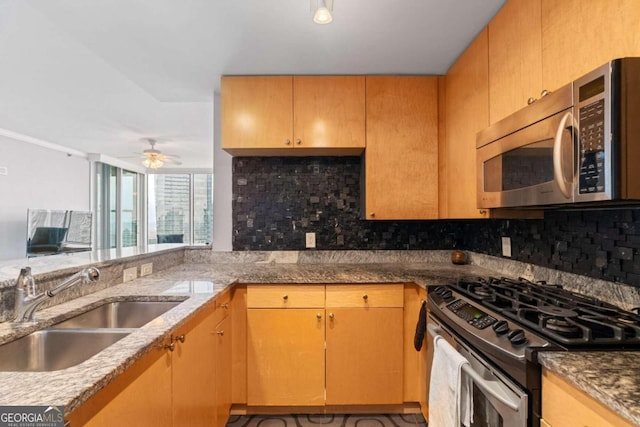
401 159
467 113
275 115
328 111
256 112
580 35
515 57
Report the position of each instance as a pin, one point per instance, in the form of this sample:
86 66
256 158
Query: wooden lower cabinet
222 350
194 373
189 386
563 405
347 351
141 396
364 356
285 356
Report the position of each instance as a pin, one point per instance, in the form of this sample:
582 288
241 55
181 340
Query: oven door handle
477 378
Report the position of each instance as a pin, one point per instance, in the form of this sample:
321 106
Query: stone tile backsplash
276 200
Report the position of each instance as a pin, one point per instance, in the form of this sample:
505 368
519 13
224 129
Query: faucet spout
27 301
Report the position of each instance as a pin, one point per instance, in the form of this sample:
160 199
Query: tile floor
328 420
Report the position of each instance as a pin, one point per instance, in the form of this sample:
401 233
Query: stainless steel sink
122 314
50 350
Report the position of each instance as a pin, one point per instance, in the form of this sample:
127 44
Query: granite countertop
196 284
611 377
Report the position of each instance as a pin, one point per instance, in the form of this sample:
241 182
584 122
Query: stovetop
568 318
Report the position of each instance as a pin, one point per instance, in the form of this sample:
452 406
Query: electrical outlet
146 269
310 239
129 274
4 170
506 246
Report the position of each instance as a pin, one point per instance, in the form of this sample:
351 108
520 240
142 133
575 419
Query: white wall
37 177
222 179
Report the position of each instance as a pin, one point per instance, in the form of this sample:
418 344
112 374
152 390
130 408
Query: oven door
497 401
532 166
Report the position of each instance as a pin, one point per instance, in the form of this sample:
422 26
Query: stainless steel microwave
578 144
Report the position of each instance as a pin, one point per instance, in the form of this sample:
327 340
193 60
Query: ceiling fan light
152 163
322 16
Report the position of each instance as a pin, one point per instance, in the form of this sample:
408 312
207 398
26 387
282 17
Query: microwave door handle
558 173
478 380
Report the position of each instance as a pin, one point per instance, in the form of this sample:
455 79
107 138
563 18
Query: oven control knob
501 327
439 290
517 337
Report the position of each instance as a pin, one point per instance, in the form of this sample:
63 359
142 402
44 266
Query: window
180 208
118 207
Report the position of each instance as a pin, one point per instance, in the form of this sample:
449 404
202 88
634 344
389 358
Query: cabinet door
515 57
580 35
256 112
401 159
329 111
223 371
140 396
364 356
566 406
194 373
285 357
467 113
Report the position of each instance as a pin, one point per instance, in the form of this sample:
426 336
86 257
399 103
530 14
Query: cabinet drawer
285 296
365 295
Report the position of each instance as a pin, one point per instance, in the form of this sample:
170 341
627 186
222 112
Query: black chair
46 240
170 238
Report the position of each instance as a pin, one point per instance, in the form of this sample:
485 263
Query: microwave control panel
592 148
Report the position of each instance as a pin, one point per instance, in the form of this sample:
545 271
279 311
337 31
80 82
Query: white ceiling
98 75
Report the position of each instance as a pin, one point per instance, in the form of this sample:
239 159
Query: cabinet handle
171 346
331 316
483 211
225 305
372 214
319 316
298 141
544 93
221 333
287 142
365 297
285 297
531 100
180 338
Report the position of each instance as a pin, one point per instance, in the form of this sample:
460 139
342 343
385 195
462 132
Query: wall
221 187
37 178
276 200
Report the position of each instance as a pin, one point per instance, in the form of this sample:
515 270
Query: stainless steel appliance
500 325
578 144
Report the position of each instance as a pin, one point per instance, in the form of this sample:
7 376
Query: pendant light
323 10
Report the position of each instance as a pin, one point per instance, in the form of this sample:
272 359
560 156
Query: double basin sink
72 341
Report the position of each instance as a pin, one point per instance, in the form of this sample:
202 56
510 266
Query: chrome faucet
26 299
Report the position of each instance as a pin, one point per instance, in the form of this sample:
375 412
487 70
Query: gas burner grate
561 315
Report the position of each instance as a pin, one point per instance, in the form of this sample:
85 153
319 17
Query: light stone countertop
73 386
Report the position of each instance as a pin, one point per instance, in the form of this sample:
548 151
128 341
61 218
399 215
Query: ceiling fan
154 159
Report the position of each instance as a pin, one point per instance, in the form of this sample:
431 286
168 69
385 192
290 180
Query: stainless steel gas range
499 326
